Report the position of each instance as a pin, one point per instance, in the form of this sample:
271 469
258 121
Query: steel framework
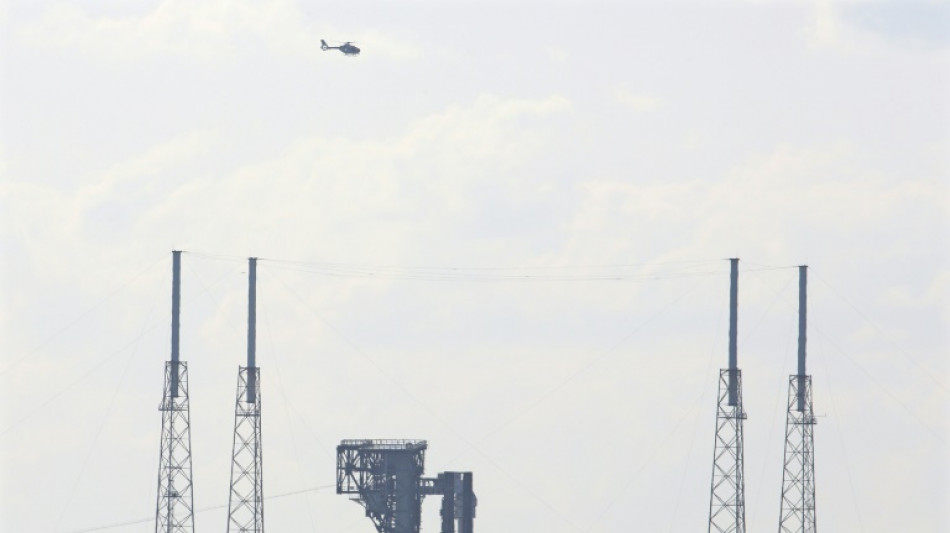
174 510
797 513
385 475
727 495
246 499
386 478
798 477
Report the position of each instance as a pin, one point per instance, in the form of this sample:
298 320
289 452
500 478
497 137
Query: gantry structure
385 477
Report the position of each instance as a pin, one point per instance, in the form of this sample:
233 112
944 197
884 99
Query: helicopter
347 48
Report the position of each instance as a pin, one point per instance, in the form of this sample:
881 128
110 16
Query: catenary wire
875 381
96 366
590 363
630 479
880 331
841 444
425 407
692 438
82 316
773 418
105 417
544 273
137 521
283 394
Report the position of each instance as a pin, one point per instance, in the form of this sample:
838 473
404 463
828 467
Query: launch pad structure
385 477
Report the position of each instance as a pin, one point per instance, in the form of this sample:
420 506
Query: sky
503 228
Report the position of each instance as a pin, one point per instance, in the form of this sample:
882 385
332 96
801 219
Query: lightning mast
174 509
798 478
727 493
246 499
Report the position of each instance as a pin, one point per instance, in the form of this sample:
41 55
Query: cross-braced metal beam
246 500
797 513
727 495
798 477
384 476
174 511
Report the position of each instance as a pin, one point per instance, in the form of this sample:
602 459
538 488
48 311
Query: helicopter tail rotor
323 45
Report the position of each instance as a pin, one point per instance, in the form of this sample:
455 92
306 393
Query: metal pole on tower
797 513
251 328
802 322
174 509
246 497
727 491
733 328
176 307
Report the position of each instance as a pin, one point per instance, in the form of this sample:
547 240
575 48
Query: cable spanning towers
246 499
798 478
174 509
386 476
727 493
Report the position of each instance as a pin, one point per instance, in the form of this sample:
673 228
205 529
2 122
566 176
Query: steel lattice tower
174 509
727 493
246 498
798 477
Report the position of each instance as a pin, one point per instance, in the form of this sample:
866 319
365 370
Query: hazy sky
502 228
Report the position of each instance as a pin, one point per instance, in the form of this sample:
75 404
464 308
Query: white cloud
825 26
639 102
340 188
556 54
827 31
932 294
853 26
789 204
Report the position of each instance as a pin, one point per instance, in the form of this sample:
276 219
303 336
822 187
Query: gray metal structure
385 477
174 509
246 497
797 513
458 501
727 491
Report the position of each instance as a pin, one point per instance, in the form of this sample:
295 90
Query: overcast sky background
502 228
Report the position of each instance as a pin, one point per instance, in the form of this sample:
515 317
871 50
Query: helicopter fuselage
347 48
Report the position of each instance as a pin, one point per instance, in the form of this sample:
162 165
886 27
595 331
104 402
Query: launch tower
386 478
